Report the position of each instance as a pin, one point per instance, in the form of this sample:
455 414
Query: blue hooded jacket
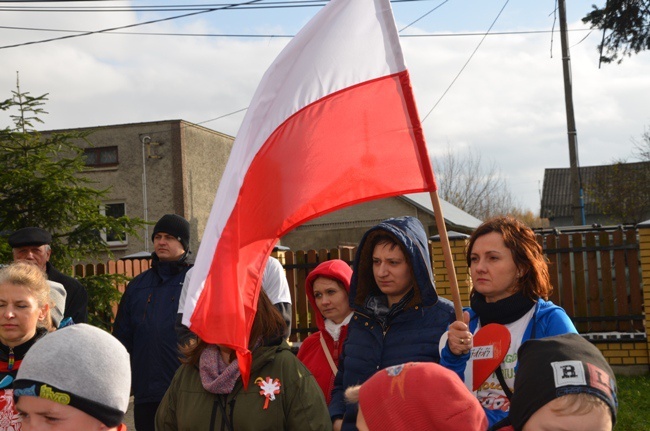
548 320
411 330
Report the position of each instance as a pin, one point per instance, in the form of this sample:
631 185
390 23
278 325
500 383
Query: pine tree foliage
625 25
42 184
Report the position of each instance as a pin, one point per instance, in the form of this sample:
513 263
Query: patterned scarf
217 377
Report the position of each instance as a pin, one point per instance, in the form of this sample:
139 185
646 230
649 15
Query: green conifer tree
42 184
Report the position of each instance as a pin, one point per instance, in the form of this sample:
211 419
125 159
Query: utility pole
577 201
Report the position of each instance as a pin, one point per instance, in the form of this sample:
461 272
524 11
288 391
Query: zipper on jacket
384 331
11 360
146 306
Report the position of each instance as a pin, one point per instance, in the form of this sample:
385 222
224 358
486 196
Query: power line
126 26
202 10
223 116
266 36
467 62
164 7
404 28
226 6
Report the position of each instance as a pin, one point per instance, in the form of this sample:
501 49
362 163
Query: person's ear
43 312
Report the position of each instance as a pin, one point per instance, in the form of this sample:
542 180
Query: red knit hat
419 396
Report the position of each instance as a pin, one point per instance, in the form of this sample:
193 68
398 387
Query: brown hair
268 324
30 277
366 283
526 252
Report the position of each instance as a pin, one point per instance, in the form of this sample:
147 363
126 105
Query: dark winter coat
408 335
145 325
299 405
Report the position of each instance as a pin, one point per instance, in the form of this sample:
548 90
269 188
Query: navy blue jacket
145 325
409 335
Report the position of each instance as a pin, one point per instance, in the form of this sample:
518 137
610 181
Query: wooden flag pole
446 251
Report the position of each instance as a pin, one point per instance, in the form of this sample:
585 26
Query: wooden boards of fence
596 276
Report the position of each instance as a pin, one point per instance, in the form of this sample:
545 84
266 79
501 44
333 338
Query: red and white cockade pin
270 388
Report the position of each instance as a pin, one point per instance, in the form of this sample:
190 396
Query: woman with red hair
510 286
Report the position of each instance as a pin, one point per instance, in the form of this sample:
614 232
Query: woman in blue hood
398 316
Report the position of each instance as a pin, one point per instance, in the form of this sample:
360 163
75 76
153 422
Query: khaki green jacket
299 405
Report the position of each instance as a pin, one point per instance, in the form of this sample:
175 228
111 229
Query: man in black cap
146 316
32 244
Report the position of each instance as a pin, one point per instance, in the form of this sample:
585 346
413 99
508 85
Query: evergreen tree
625 25
42 184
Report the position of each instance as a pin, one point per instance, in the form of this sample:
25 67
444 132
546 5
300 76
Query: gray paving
128 419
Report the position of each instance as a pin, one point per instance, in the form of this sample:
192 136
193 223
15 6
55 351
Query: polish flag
333 123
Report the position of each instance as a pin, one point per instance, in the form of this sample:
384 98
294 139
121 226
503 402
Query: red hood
335 269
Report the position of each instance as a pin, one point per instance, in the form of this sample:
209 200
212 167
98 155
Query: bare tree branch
477 188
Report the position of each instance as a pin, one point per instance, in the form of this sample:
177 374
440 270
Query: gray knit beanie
57 297
80 366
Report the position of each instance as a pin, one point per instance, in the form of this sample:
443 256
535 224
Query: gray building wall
346 226
183 164
205 154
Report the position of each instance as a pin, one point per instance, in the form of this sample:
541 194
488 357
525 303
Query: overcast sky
507 104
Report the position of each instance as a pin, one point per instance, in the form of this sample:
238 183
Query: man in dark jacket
146 315
32 244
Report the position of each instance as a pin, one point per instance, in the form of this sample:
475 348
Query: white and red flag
333 123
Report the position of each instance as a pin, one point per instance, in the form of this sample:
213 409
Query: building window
98 157
115 210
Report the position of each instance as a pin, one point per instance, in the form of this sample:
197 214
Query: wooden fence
596 275
597 278
129 268
298 265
